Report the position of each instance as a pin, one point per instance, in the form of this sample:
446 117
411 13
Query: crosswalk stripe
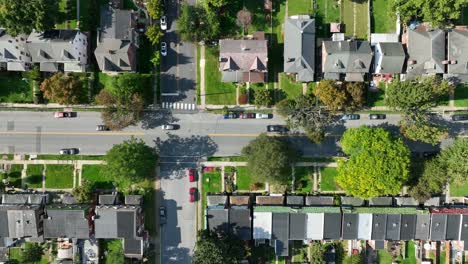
181 106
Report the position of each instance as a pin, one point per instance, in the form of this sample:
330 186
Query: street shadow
153 119
171 237
173 85
454 128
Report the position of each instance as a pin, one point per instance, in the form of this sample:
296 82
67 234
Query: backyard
217 92
94 174
34 176
356 22
211 183
15 89
303 179
327 182
15 255
243 179
326 12
376 98
65 16
461 95
59 176
300 7
458 190
382 21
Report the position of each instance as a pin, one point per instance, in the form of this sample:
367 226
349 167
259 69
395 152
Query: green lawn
13 175
328 175
376 98
304 180
114 251
243 178
94 174
326 12
382 21
259 22
299 252
211 182
275 49
410 253
150 211
59 176
13 89
361 18
291 88
63 16
461 93
69 157
262 254
299 7
15 255
458 190
34 175
384 257
217 92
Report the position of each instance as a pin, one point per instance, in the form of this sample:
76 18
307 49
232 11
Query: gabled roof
422 227
346 56
295 200
299 48
297 226
319 200
364 226
457 51
427 60
25 198
332 226
66 221
216 200
280 233
315 222
351 201
117 24
133 199
453 227
218 220
381 201
379 226
117 221
262 225
114 55
389 57
408 227
239 200
350 226
438 227
18 221
240 223
393 227
109 199
269 200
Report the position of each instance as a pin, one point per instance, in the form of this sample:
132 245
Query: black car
101 128
162 215
69 151
277 128
460 117
231 115
377 116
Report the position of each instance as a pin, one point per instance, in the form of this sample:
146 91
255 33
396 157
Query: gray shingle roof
295 200
350 226
13 50
17 221
117 221
429 59
381 201
457 50
319 200
351 201
406 201
218 220
408 227
133 199
108 199
438 227
117 23
25 198
133 247
269 200
280 232
216 200
422 227
393 227
332 226
299 48
66 221
389 57
346 56
297 226
379 226
453 227
240 223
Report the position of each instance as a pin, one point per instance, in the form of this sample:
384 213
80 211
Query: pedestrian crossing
178 106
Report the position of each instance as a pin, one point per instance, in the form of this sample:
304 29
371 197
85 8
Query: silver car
168 127
163 48
163 23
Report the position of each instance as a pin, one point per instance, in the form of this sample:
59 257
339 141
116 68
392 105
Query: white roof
262 222
383 37
315 226
364 226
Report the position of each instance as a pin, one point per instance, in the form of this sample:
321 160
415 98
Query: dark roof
457 50
67 221
381 201
408 227
393 227
379 226
19 221
280 232
379 244
126 224
133 199
297 200
350 226
108 199
218 220
351 201
438 227
241 223
453 227
422 226
346 56
25 198
4 224
319 200
133 247
464 230
297 226
117 221
216 200
332 226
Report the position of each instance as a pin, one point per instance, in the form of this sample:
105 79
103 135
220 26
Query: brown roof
239 200
244 54
253 77
269 200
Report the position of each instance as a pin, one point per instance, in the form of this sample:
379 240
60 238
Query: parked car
191 174
163 23
231 115
350 117
460 117
263 116
193 194
162 215
69 151
247 115
64 114
163 48
277 128
101 128
169 127
377 116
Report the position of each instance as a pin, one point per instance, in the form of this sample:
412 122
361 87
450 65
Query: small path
293 176
452 98
244 163
44 172
304 88
59 162
354 18
23 175
237 94
74 176
223 184
202 78
315 185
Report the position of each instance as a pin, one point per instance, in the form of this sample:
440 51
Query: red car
64 114
191 175
193 194
247 115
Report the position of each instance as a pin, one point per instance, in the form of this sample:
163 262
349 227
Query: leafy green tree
377 165
454 161
269 159
64 89
431 182
353 259
331 94
422 130
156 59
216 3
154 34
263 97
23 16
211 249
130 162
83 193
244 19
197 23
32 253
154 8
355 94
317 253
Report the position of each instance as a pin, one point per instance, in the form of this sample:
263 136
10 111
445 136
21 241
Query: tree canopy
130 162
269 159
22 16
32 253
84 192
211 249
154 8
432 181
64 89
263 97
197 23
378 163
347 96
454 161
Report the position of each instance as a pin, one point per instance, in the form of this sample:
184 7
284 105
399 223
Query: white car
163 23
168 127
163 48
262 116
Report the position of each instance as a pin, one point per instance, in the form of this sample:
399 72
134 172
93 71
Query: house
393 227
381 201
379 226
67 221
117 41
438 227
109 199
351 201
25 198
422 227
408 227
389 58
299 47
59 50
262 222
364 226
350 226
406 201
332 226
21 221
295 200
240 222
315 220
297 226
280 233
457 59
346 60
14 54
319 200
429 60
214 200
217 220
243 61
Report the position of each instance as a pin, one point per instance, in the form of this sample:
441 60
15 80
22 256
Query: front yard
216 92
94 174
461 95
289 86
34 176
13 175
211 183
15 89
327 182
59 176
355 24
303 179
382 20
376 98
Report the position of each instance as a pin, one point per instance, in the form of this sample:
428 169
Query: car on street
162 215
169 127
377 116
247 115
277 128
163 23
459 117
191 174
231 115
193 194
350 117
64 114
101 128
69 151
263 116
163 48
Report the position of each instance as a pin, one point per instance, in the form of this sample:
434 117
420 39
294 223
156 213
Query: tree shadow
153 119
170 84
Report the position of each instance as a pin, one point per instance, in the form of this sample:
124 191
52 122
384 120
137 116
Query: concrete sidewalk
243 163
